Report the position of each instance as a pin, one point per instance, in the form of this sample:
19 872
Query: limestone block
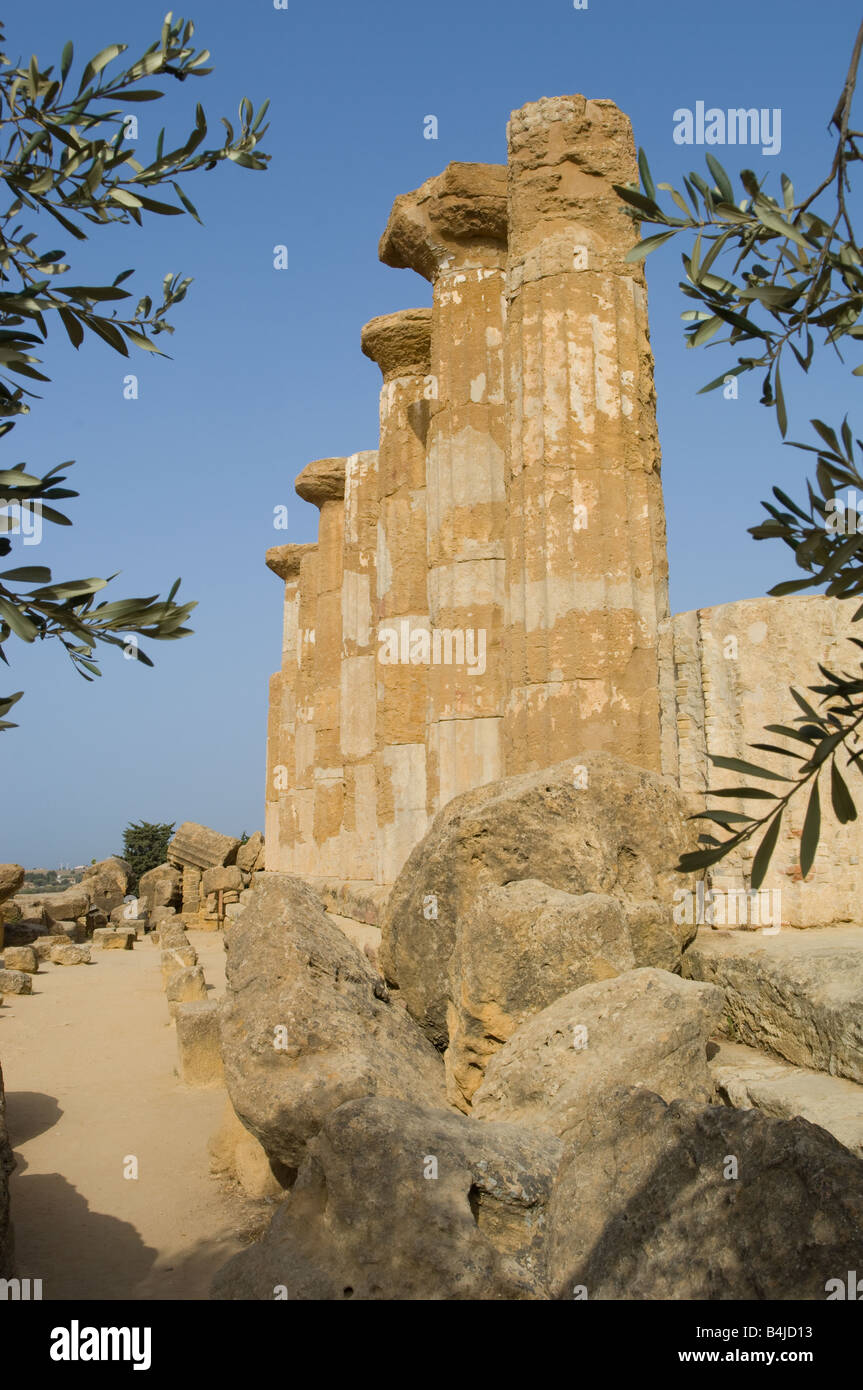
248 853
184 987
106 883
44 945
21 958
214 879
160 887
107 939
70 955
198 1055
11 880
199 847
642 1028
64 907
15 982
734 665
235 1153
175 958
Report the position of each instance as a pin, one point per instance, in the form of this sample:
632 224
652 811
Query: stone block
70 955
15 982
185 987
199 1059
21 958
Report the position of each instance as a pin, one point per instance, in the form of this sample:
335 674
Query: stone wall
733 667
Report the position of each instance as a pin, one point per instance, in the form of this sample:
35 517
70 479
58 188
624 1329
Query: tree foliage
776 276
145 845
67 163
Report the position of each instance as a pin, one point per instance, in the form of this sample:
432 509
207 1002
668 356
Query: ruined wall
733 666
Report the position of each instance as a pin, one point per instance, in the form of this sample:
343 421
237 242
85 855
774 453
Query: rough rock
15 982
7 1164
519 947
249 853
307 1024
21 958
798 994
690 1202
11 880
619 835
106 883
646 1028
160 887
399 1201
70 955
176 958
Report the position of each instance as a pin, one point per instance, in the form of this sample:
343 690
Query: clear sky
266 371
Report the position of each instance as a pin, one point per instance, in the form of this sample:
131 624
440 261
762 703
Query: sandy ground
89 1064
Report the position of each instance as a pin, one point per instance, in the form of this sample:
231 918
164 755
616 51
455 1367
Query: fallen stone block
401 1201
177 958
645 1028
198 1056
185 987
21 958
15 982
107 939
44 945
236 1154
222 878
308 1024
686 1202
70 955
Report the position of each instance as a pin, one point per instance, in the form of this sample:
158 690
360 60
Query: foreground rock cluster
523 1102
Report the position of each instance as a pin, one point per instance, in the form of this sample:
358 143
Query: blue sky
266 371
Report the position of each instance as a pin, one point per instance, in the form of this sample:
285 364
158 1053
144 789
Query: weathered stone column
280 832
452 230
358 671
400 344
299 832
323 484
586 566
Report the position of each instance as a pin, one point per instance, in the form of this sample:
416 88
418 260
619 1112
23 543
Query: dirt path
89 1063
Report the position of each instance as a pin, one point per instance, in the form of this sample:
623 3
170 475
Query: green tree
776 275
65 159
145 845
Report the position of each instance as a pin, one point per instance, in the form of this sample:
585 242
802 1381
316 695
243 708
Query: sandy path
89 1064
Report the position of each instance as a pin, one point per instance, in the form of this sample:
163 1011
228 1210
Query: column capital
459 217
322 481
400 343
285 560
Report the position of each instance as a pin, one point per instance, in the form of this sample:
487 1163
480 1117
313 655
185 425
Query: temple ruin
488 594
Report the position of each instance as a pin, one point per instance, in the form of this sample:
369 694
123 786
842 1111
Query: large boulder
592 824
308 1025
202 847
517 948
67 906
249 853
106 883
11 880
160 887
7 1163
690 1202
645 1028
402 1201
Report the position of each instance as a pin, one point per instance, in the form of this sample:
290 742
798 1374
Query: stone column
285 561
400 344
323 484
358 672
452 230
586 565
299 832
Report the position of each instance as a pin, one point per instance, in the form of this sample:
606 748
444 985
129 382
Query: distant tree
145 845
70 159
